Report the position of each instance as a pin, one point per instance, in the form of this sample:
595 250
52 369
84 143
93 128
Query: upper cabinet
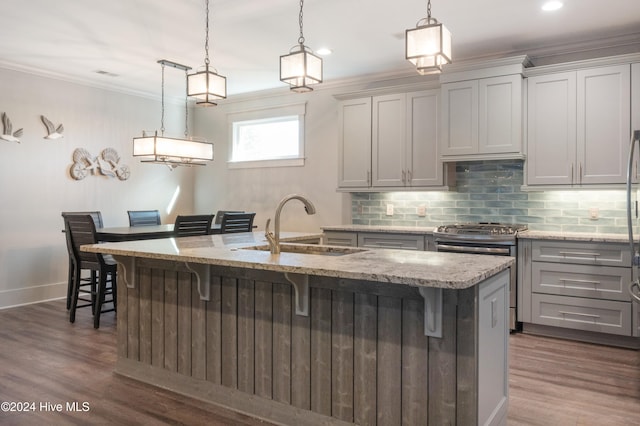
578 126
482 119
390 142
354 168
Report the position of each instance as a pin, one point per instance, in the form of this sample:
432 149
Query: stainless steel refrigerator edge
632 218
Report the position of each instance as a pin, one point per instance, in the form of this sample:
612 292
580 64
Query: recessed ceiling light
324 51
551 5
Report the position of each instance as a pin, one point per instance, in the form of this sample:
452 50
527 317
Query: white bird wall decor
7 128
52 131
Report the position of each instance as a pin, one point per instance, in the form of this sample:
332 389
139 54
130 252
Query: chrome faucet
274 237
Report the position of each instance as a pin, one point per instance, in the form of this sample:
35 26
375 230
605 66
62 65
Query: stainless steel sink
310 249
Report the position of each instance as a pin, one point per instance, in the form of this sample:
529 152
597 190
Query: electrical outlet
422 210
594 213
389 209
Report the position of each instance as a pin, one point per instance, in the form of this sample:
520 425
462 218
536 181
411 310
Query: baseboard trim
30 295
582 336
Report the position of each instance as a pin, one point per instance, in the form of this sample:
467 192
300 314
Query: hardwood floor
45 359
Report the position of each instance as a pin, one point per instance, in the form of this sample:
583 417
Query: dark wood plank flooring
45 359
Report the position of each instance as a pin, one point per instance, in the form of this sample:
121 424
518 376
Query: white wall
35 185
260 189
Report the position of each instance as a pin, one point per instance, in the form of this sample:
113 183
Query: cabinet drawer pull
580 314
595 283
577 253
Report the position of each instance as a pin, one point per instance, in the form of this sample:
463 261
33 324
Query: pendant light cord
429 10
206 38
162 103
301 38
186 105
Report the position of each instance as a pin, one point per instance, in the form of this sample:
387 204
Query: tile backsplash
489 191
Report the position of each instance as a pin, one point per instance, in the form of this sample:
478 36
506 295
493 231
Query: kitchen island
316 335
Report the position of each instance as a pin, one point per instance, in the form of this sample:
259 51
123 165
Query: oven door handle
470 249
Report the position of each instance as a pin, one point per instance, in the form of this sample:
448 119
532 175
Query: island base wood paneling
360 357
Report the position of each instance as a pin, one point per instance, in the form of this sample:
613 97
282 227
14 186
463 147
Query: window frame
266 114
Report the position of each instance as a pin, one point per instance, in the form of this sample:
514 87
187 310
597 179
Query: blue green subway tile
546 212
471 218
529 219
443 204
596 222
612 230
483 197
513 212
578 228
515 196
357 221
499 204
543 227
560 220
470 203
483 211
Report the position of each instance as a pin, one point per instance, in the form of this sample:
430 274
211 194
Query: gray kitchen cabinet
354 166
340 238
381 239
394 241
575 285
482 118
578 126
390 141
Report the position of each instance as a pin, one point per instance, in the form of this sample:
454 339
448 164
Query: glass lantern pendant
300 68
428 46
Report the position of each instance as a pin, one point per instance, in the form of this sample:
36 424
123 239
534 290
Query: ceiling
116 43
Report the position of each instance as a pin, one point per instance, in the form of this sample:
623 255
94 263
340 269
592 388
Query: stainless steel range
483 238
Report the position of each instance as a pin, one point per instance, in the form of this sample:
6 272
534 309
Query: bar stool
85 282
82 231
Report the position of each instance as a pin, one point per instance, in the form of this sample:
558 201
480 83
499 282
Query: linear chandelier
300 68
172 152
207 86
428 46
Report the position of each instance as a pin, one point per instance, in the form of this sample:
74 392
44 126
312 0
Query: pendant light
428 46
172 152
207 86
300 68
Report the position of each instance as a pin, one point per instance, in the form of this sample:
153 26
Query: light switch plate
389 209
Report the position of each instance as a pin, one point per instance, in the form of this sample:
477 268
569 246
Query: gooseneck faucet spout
274 237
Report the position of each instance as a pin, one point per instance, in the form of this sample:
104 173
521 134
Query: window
270 137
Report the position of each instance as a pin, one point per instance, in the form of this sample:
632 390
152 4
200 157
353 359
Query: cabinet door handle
571 173
580 173
409 176
580 314
568 280
404 176
368 177
577 253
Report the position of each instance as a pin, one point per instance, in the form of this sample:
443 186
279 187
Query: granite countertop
427 230
414 268
573 236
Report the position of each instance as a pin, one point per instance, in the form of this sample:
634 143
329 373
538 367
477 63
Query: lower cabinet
578 286
373 239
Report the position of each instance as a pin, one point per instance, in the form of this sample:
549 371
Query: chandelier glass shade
207 86
428 46
176 151
171 151
300 68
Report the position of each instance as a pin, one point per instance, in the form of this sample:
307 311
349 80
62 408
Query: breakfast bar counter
316 334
